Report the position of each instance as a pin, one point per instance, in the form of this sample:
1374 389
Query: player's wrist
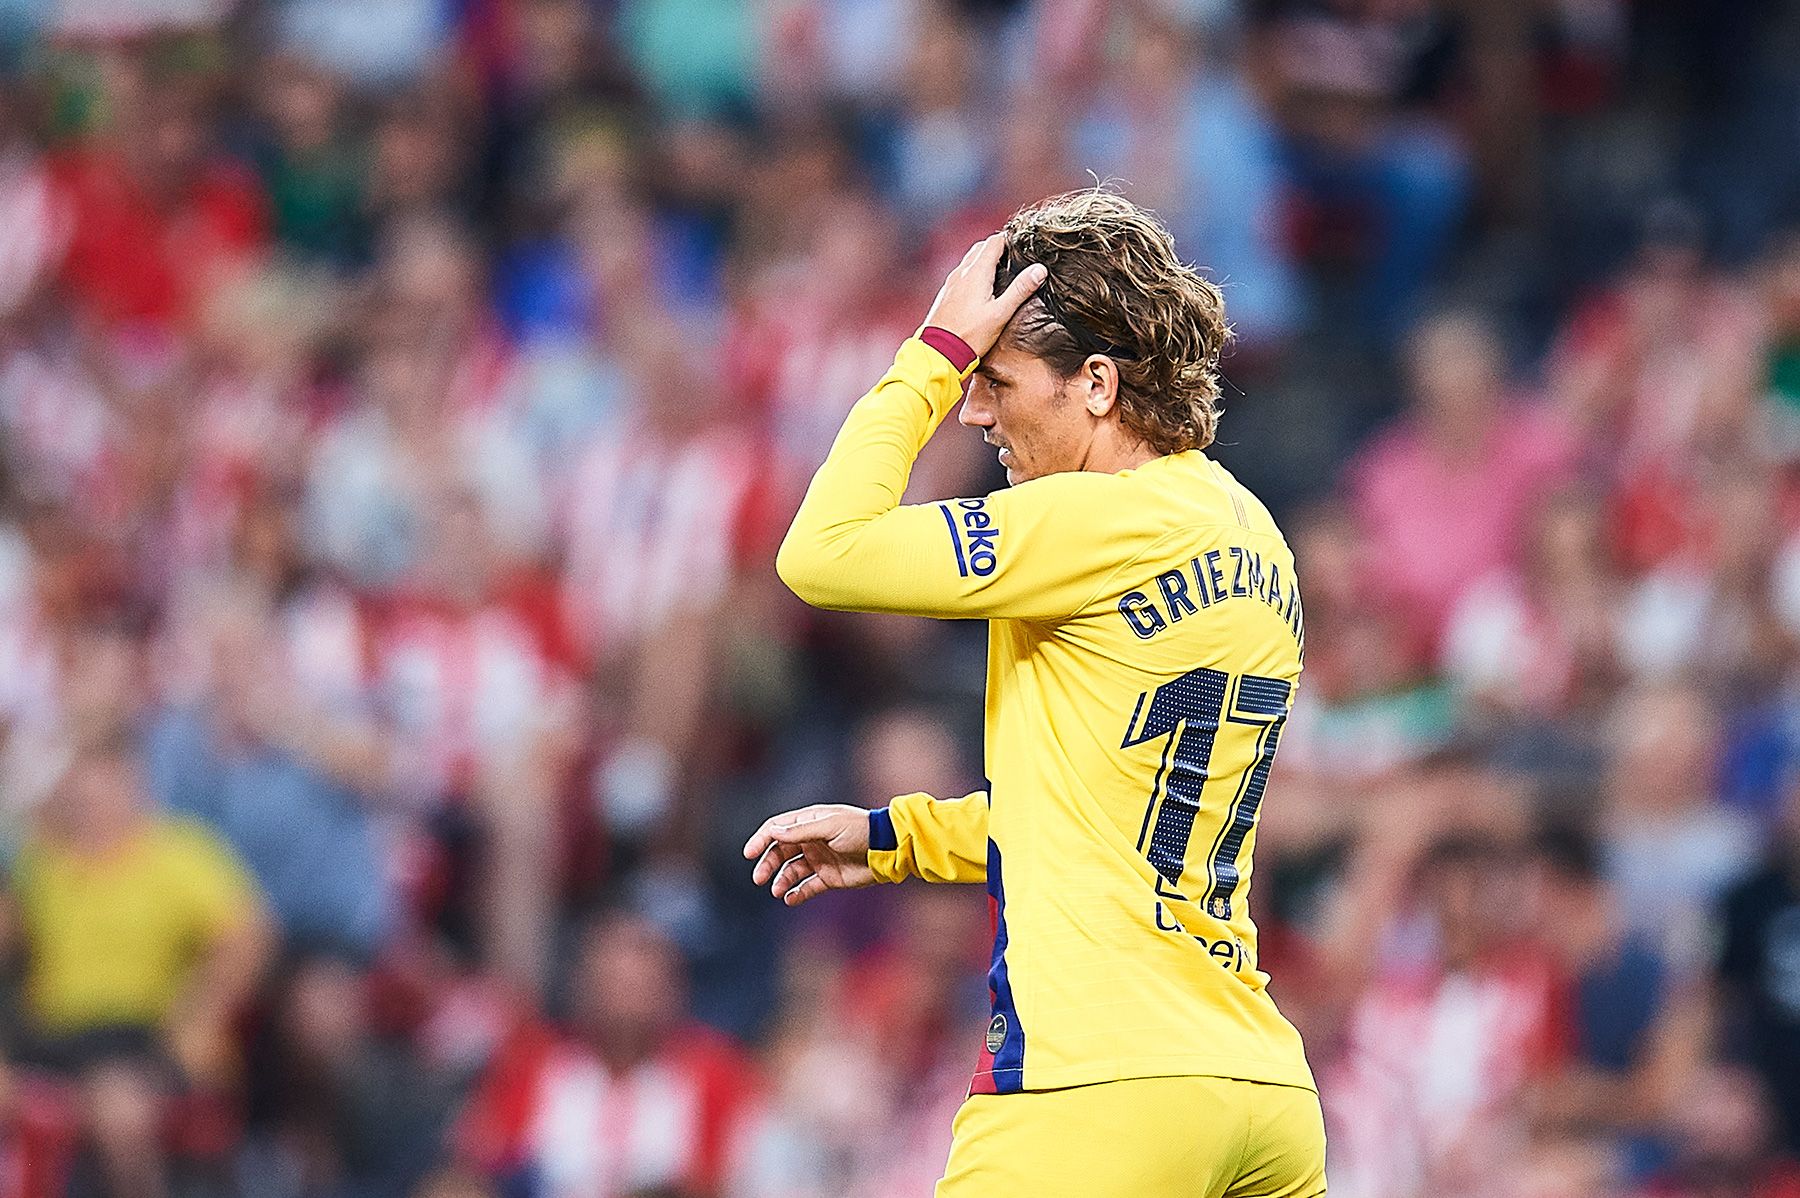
883 838
958 352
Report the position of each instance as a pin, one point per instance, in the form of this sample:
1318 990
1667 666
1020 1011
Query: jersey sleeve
936 840
1034 551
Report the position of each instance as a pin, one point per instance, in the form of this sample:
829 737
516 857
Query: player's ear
1099 380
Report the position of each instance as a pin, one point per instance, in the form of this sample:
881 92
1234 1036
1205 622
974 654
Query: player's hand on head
966 304
803 853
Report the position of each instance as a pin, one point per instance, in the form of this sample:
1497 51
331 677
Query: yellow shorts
1180 1137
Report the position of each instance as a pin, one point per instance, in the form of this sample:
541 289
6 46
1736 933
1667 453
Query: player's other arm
854 547
937 840
835 846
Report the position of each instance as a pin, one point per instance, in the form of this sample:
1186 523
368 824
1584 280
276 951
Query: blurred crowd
400 403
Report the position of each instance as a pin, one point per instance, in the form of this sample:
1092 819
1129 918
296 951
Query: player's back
1129 744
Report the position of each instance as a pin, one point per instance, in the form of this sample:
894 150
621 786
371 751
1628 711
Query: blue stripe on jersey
1009 1059
882 837
962 565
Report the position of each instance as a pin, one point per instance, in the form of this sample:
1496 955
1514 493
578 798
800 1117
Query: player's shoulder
1178 490
1190 472
1236 505
1183 494
1070 500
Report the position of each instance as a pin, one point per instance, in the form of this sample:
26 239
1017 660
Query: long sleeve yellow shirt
1144 644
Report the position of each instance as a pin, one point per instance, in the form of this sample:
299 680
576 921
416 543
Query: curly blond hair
1117 288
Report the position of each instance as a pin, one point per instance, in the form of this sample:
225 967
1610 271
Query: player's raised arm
853 546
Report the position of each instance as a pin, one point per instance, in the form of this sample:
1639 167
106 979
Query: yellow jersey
1144 643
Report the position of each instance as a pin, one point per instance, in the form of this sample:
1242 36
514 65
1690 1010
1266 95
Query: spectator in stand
898 751
158 217
911 997
308 164
1708 611
1660 374
57 414
420 161
889 1025
474 666
1186 127
1378 196
935 155
1033 159
1444 494
1780 380
1539 639
288 783
632 1098
1670 847
1442 1047
1373 709
805 355
254 397
143 937
430 417
547 65
339 1100
71 684
325 633
1725 1145
661 510
1635 1029
32 214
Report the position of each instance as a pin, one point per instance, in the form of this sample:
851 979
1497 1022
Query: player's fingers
791 873
808 888
1026 282
988 250
770 862
758 844
807 826
764 836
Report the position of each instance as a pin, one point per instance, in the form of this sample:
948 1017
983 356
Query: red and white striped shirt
655 528
550 1110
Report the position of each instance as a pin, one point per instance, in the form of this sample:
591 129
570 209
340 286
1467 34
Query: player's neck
1110 455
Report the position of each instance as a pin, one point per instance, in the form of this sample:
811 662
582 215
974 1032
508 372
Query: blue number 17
1188 711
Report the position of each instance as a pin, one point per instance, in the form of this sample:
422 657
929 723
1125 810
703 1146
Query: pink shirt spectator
1437 524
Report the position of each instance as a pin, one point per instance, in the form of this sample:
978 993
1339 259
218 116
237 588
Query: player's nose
973 415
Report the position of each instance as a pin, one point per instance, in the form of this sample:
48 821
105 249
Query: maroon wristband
950 345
